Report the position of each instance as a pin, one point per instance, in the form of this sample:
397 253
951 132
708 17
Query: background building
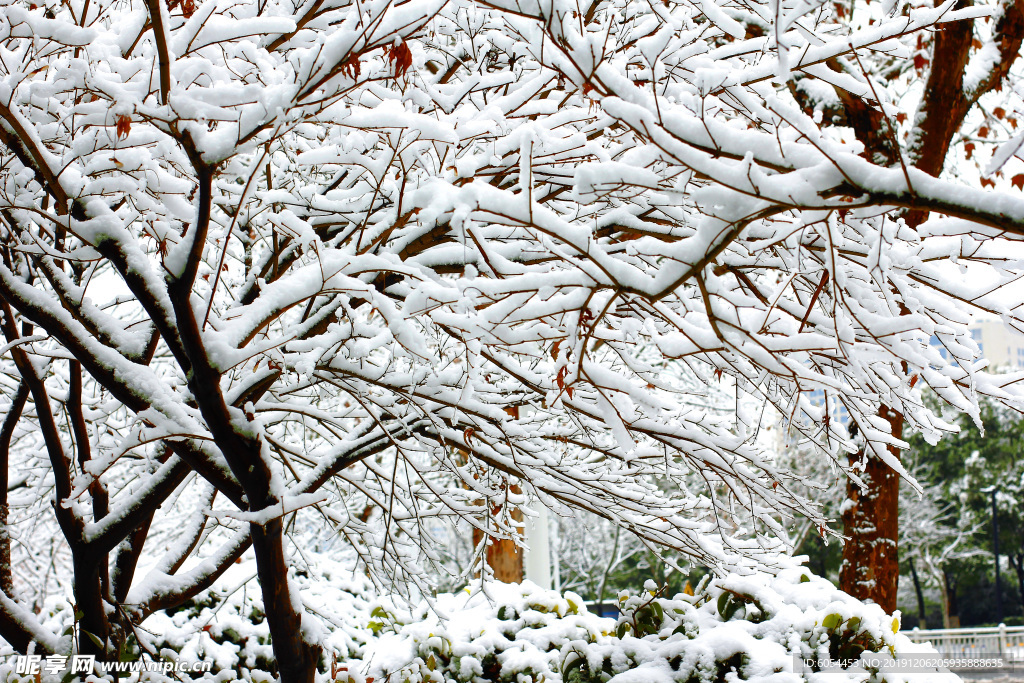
1002 345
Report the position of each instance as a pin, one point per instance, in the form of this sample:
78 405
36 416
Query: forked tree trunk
86 564
296 657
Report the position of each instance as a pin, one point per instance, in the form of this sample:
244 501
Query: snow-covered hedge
226 626
229 627
740 628
758 628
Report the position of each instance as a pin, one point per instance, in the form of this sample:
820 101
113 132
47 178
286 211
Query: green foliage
846 640
195 606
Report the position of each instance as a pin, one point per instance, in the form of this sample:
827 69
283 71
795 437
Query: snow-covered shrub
229 626
497 632
742 628
760 627
757 628
226 626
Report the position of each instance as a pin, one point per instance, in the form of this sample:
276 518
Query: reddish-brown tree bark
502 555
870 568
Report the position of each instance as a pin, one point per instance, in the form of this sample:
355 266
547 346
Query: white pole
557 555
537 560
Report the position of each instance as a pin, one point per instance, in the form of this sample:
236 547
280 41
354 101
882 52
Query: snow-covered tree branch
311 259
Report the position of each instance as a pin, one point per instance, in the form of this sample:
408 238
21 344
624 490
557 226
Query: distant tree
960 469
935 537
998 466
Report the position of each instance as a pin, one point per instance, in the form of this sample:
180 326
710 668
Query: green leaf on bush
96 641
728 605
645 623
575 671
832 621
853 624
723 600
804 578
620 630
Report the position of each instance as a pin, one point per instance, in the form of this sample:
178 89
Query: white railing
966 643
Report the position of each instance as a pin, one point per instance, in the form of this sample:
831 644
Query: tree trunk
1017 560
89 601
922 620
506 559
89 565
296 658
944 591
870 568
502 555
949 615
241 446
1020 578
